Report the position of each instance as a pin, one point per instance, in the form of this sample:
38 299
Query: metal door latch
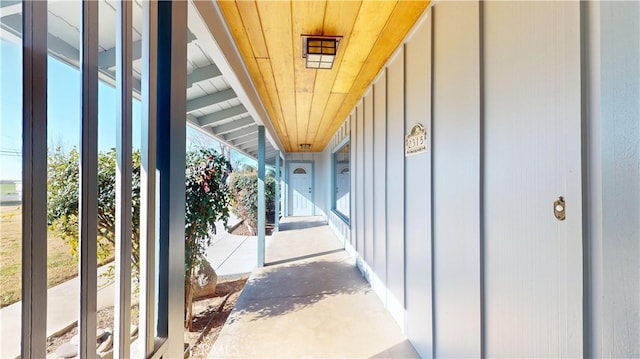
560 208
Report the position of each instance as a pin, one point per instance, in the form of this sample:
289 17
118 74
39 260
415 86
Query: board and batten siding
417 183
523 102
456 179
532 128
614 108
379 186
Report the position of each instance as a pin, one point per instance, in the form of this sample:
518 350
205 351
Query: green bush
207 201
63 192
244 189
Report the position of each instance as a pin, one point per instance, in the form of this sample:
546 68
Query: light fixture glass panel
329 50
313 65
314 43
314 50
311 57
325 65
327 58
329 43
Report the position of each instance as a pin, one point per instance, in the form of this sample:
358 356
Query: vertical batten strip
34 179
261 199
277 197
122 312
148 177
481 181
88 207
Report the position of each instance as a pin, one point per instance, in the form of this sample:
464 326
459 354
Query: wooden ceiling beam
209 100
217 118
203 74
107 58
245 141
233 126
241 133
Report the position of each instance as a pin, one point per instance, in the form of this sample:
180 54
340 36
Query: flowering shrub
207 202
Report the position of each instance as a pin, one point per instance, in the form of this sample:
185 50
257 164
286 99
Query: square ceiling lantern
320 51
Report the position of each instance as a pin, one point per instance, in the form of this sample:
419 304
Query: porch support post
124 173
171 133
88 207
148 202
34 179
277 196
261 199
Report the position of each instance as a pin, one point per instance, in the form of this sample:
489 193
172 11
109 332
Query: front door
301 189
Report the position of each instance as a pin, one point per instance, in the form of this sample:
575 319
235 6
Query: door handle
560 208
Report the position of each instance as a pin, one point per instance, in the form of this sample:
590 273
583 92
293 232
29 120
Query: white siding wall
454 240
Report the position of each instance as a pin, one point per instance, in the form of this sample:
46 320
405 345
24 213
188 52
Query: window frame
345 218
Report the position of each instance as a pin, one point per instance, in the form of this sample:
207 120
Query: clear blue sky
63 112
63 109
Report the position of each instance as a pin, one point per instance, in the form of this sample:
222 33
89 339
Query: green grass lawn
61 264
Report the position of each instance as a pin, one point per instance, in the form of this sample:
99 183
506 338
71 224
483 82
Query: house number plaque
415 141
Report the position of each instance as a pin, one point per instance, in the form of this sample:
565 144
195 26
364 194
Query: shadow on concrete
289 288
308 256
288 226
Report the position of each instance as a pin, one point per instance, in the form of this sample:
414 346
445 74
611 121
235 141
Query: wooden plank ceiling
307 105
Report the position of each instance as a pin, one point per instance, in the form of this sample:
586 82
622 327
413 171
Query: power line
8 152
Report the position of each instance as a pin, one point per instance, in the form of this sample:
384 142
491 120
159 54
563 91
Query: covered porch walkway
309 301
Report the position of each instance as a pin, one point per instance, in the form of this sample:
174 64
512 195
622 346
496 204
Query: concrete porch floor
309 301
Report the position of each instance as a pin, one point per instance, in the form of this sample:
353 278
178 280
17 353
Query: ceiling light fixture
320 51
304 147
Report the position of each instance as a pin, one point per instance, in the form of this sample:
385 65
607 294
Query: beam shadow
287 226
312 255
